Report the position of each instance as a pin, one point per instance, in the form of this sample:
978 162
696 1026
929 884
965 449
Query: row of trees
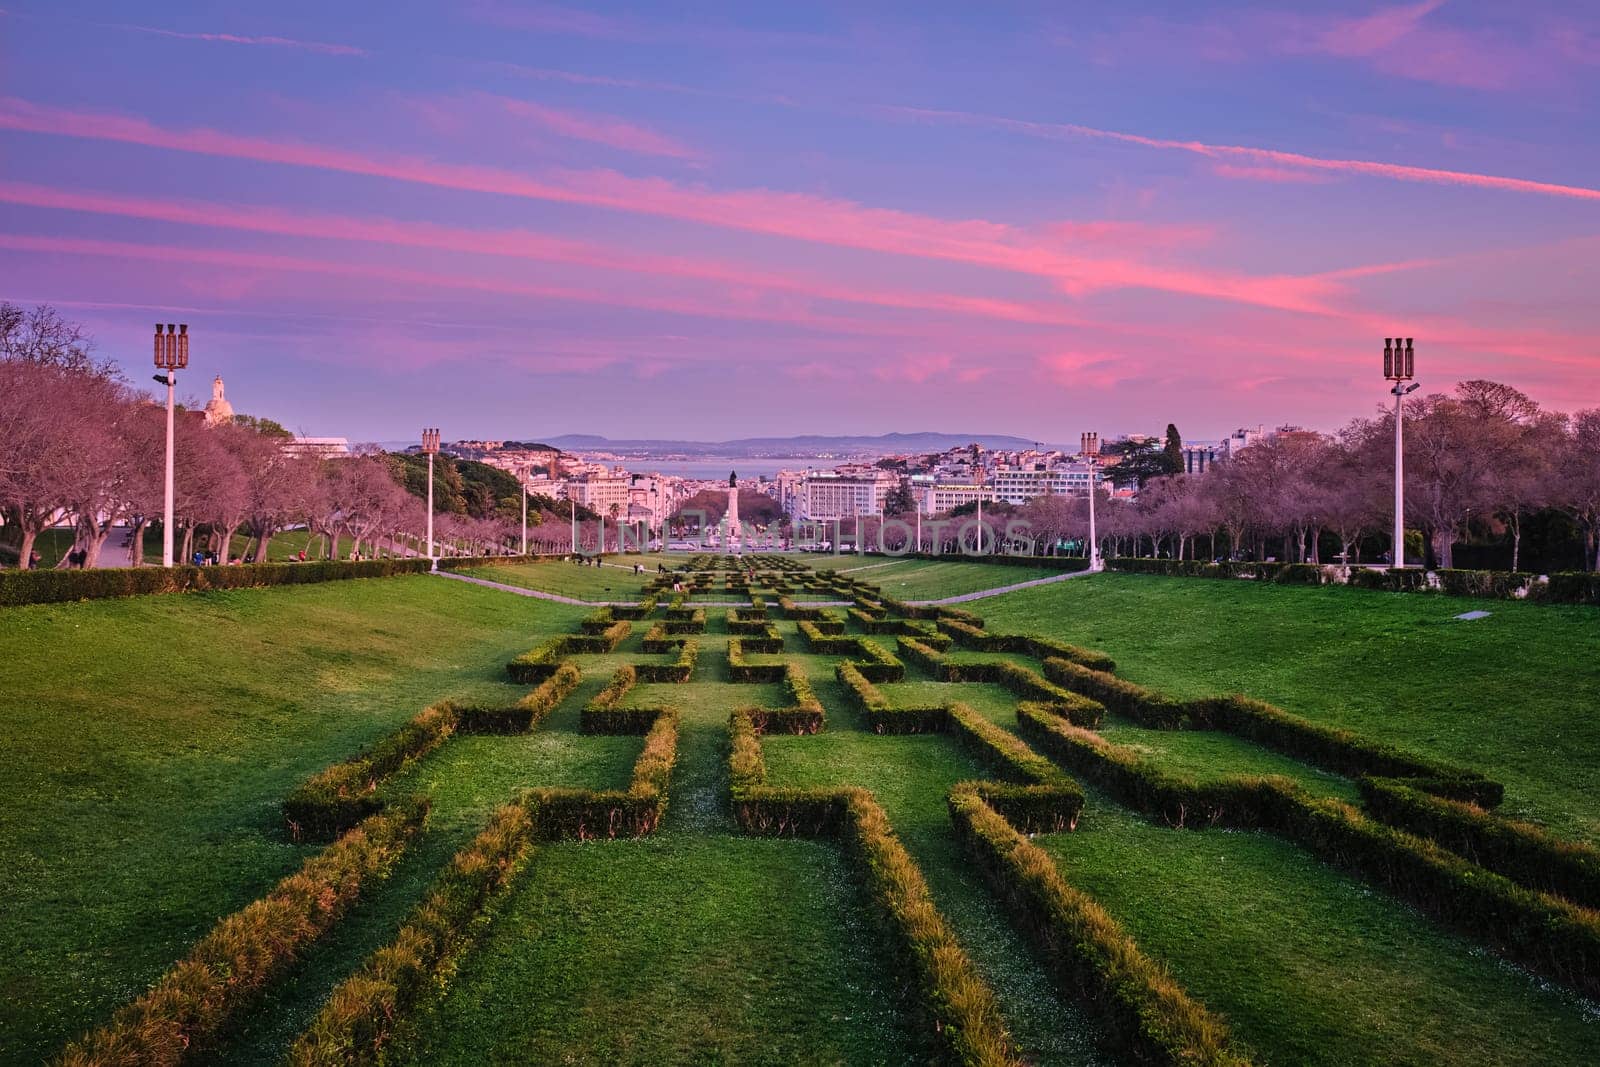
85 449
1483 462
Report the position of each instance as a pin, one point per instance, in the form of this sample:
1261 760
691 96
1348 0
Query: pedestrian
33 560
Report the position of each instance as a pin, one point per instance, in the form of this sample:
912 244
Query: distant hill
803 445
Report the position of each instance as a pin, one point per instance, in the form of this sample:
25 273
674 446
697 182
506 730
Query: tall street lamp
172 355
1399 367
1090 447
525 513
430 446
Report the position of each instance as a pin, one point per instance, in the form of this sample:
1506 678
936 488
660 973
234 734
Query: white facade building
825 496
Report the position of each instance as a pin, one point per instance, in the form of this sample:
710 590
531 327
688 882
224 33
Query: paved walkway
1002 589
557 598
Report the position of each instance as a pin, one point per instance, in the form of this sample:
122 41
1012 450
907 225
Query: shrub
692 623
526 713
1147 1015
1144 706
657 640
679 670
1522 852
1408 580
191 1004
343 794
584 814
18 587
359 1019
1573 588
739 670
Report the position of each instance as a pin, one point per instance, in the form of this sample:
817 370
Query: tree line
82 448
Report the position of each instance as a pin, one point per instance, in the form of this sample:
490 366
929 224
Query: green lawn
615 581
1310 965
1513 695
150 741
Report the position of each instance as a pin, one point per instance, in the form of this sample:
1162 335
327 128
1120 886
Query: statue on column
732 516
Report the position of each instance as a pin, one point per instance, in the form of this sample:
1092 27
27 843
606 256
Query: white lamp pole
1090 447
524 514
1399 367
172 355
430 446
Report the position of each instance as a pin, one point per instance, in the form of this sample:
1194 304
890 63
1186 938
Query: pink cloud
1285 175
1367 168
792 215
1402 41
605 130
740 282
234 38
1098 370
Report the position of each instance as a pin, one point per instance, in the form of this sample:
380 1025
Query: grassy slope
1309 965
696 945
1512 695
148 741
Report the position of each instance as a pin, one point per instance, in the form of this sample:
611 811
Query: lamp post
1090 447
172 355
430 446
1399 367
524 514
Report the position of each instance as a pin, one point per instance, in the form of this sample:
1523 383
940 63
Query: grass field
151 740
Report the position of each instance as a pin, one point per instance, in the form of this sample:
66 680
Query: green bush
18 587
1522 852
339 796
1148 1017
679 670
1572 587
359 1019
192 1004
739 670
657 640
526 713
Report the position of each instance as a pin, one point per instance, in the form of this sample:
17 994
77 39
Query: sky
705 221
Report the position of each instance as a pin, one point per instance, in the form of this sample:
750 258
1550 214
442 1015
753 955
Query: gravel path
1001 589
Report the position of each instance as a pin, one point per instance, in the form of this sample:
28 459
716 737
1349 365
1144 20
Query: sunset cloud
1367 168
798 216
235 38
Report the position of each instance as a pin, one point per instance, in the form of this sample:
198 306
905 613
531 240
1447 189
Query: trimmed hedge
1327 747
358 1022
972 637
1522 852
692 623
657 640
188 1007
343 794
526 713
679 670
1147 1016
964 1015
1571 587
542 662
583 814
740 670
1544 933
19 587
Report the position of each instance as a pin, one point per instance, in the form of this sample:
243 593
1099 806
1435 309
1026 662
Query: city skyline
526 218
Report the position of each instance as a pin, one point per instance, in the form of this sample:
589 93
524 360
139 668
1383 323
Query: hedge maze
1424 832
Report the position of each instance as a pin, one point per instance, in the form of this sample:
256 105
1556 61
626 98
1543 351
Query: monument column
732 516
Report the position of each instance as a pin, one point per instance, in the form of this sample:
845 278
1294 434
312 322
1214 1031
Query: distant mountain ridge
802 445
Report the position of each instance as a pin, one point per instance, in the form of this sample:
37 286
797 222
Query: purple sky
700 220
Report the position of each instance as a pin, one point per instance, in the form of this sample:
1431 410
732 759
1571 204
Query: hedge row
1544 933
1571 587
747 621
678 670
18 587
542 662
1147 1016
791 610
1041 563
358 1022
968 636
692 623
635 612
1522 852
188 1007
343 794
935 612
1080 710
1328 747
962 1011
583 814
657 640
802 715
741 670
526 713
874 661
604 713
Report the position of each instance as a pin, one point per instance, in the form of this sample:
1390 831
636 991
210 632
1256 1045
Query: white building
600 492
830 495
320 447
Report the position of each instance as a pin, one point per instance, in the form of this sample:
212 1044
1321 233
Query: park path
960 598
